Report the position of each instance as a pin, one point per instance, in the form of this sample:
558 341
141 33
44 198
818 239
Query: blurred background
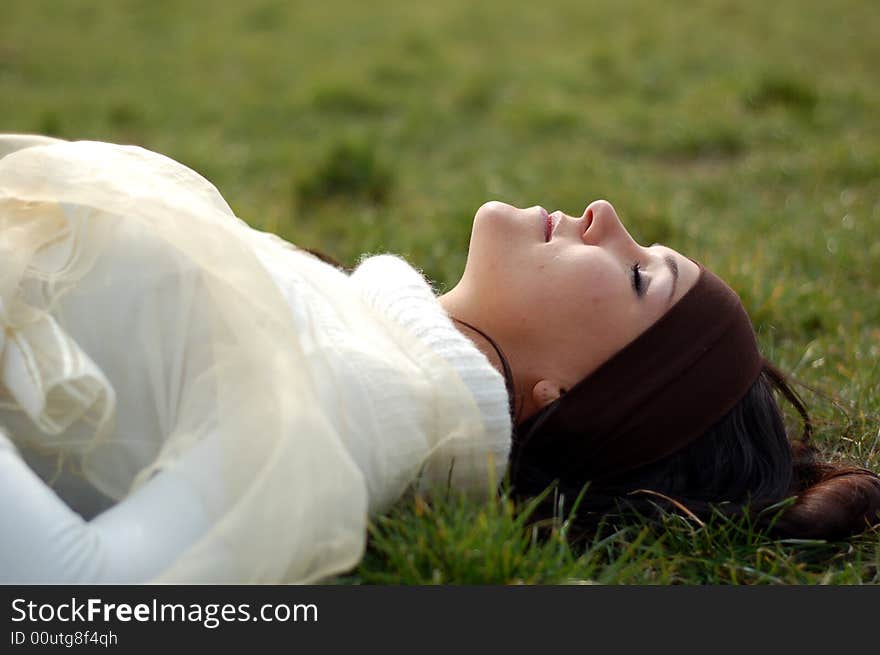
743 134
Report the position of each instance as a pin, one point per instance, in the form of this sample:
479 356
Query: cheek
591 298
592 285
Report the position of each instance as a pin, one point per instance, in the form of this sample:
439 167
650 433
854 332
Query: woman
637 370
189 400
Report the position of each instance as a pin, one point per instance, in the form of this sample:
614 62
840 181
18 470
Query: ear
545 392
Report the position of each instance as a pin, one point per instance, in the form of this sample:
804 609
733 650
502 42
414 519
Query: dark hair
743 464
324 257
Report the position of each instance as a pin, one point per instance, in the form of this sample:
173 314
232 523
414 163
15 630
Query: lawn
744 134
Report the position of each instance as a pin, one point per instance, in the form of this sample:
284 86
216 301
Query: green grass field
744 134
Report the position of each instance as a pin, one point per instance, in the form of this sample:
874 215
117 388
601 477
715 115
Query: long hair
744 464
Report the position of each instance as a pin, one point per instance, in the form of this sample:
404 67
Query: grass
742 134
449 540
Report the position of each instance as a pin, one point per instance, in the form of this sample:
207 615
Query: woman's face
560 294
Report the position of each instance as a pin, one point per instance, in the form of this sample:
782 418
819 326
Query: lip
551 222
548 223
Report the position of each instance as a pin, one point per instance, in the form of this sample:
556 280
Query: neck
466 324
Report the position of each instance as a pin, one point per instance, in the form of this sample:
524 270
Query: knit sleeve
400 292
129 543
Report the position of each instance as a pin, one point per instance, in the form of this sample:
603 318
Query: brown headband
658 394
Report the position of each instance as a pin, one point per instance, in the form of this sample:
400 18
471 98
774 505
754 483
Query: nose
605 226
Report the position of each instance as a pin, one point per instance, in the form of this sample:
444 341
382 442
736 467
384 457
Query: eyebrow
673 268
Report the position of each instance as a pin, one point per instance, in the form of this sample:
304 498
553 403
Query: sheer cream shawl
286 499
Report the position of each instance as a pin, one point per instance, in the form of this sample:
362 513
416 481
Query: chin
497 226
495 211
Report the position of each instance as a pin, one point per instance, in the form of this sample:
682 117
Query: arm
171 303
43 541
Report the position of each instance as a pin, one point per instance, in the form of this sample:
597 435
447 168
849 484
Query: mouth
548 224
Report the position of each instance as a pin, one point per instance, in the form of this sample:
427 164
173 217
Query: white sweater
401 294
396 289
137 310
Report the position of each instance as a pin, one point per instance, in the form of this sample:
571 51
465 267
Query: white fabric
12 142
394 288
228 408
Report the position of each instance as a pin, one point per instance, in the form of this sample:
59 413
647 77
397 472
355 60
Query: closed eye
637 279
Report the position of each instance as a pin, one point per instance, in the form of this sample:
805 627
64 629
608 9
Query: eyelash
636 278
